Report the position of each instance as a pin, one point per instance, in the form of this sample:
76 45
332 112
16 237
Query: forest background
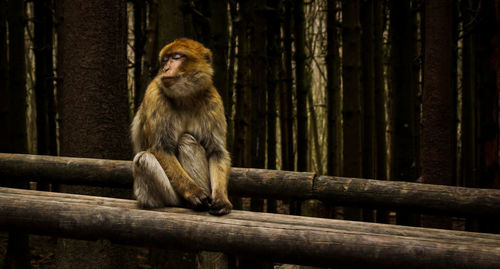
391 89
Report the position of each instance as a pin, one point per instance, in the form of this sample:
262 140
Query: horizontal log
451 235
279 238
274 184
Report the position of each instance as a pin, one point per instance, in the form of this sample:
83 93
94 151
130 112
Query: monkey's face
171 68
185 68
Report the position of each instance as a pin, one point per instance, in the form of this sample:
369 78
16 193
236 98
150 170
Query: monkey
179 134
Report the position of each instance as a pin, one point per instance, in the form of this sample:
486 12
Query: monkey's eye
177 56
164 59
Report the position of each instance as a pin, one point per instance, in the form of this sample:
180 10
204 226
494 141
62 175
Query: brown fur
184 118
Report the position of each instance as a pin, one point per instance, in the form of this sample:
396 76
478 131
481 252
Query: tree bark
352 111
380 99
368 86
139 50
286 93
18 244
487 70
437 114
44 82
333 90
300 84
4 78
94 108
403 103
257 29
273 82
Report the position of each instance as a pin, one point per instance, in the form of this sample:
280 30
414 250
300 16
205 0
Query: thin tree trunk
437 124
257 28
4 76
286 93
368 86
333 90
352 111
230 72
314 132
18 247
403 166
242 122
139 49
220 36
468 162
300 85
274 60
17 78
44 84
380 100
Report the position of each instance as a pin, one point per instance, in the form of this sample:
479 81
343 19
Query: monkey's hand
220 205
198 199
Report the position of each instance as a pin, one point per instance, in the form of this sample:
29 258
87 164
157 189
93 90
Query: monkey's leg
152 187
193 159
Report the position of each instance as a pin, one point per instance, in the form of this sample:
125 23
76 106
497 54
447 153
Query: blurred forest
402 90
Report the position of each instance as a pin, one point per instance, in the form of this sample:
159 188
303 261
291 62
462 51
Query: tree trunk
380 100
94 109
219 37
18 255
4 76
230 72
368 86
242 119
257 29
139 50
286 93
437 114
487 70
403 144
44 83
333 90
274 60
468 162
300 85
352 110
17 78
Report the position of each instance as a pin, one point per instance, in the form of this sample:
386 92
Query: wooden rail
279 238
274 184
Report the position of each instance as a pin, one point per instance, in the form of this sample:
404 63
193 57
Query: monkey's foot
220 206
199 201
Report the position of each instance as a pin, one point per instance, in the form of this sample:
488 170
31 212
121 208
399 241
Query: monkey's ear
208 56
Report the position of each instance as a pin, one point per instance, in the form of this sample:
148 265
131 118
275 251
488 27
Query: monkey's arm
182 183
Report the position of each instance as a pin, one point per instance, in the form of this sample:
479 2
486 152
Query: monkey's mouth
168 78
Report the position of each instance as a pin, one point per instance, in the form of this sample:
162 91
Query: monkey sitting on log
179 134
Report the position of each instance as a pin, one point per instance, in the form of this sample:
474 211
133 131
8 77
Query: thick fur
180 130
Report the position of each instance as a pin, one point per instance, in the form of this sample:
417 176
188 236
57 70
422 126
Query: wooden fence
248 182
273 237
